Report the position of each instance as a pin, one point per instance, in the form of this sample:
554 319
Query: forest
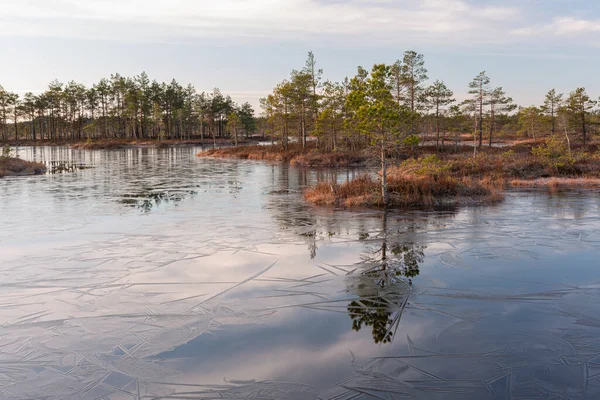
122 108
399 103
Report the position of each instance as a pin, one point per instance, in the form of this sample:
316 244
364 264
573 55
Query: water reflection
314 225
61 167
378 307
146 199
383 282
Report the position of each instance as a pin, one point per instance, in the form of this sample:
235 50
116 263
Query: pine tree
414 75
499 103
552 103
580 105
437 97
479 88
375 113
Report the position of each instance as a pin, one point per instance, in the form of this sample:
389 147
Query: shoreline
12 166
107 144
556 183
439 179
404 191
422 177
294 154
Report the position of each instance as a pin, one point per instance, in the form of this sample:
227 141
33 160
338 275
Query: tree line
122 108
396 101
399 103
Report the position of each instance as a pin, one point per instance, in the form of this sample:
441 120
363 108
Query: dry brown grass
294 154
457 178
450 177
505 167
10 166
362 190
111 144
334 159
102 145
405 190
555 184
255 152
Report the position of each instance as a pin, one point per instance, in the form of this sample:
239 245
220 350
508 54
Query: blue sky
245 47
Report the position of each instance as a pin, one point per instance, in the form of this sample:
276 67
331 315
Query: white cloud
572 26
376 20
561 27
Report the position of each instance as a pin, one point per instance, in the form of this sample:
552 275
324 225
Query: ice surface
153 274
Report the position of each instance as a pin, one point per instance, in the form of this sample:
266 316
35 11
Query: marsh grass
112 144
456 178
294 154
12 166
405 190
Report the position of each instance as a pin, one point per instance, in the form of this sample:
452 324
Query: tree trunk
552 119
491 126
303 127
105 119
475 141
285 129
412 106
481 120
181 134
568 140
334 139
33 127
437 126
384 188
583 127
202 129
41 122
16 128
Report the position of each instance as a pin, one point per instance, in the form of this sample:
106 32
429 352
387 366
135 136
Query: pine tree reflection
384 284
147 199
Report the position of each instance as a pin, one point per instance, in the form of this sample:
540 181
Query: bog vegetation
388 113
394 112
11 164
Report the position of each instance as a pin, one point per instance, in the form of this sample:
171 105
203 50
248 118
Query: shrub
556 154
428 165
411 140
508 155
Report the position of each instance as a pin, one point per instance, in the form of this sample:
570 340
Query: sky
245 47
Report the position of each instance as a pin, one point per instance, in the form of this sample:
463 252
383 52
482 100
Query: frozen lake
155 274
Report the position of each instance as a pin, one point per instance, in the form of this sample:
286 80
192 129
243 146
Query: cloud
572 26
561 27
381 20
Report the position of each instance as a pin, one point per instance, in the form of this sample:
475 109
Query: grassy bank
312 157
460 178
134 143
107 144
405 190
557 184
294 154
11 166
